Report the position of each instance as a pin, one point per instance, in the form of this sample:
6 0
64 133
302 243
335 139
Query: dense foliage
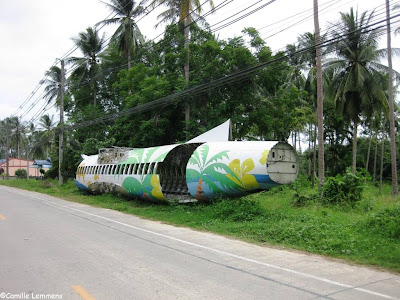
133 93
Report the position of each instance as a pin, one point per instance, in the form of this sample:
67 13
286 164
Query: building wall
16 163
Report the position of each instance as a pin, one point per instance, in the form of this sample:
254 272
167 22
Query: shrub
237 210
20 173
344 189
385 222
304 197
52 173
303 193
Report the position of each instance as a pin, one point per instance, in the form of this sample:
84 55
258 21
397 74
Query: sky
34 34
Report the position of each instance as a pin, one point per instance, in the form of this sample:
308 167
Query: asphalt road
55 249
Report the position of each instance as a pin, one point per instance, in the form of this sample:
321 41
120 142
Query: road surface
55 249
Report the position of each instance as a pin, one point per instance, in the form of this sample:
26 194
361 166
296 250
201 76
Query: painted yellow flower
96 177
263 159
246 181
156 192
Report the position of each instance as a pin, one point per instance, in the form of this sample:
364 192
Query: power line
225 3
41 82
223 81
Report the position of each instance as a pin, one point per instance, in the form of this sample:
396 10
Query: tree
357 84
35 142
182 10
52 81
87 67
395 187
309 58
296 62
47 136
17 136
127 36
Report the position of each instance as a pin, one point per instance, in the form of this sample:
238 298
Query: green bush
303 194
385 222
346 189
237 210
305 197
52 173
20 173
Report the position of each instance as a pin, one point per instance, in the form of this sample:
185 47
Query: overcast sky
34 33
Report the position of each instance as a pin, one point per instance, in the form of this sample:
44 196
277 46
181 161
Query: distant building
18 163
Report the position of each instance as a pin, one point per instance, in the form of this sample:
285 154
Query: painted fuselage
191 171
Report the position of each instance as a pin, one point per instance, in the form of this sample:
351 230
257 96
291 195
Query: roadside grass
366 233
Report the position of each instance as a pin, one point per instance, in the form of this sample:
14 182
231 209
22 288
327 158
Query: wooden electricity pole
61 125
27 161
7 149
320 100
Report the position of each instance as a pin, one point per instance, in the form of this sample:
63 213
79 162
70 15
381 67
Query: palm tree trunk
94 96
299 142
395 187
354 166
309 147
129 59
314 157
381 170
369 152
375 160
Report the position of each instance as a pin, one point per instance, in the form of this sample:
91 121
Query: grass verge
368 233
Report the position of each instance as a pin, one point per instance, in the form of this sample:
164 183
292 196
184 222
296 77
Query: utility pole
61 125
7 149
186 23
27 161
320 100
395 187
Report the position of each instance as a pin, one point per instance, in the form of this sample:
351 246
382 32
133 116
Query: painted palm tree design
208 168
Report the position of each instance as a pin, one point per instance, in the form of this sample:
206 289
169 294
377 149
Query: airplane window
145 168
135 167
140 169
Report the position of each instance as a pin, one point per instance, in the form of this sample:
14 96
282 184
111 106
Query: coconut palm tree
87 67
182 10
127 36
17 135
295 76
392 132
47 135
178 10
53 82
357 86
35 142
